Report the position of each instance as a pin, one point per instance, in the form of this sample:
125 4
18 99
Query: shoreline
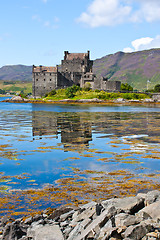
127 218
85 101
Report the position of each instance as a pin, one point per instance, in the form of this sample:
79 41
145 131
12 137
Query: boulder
47 232
129 205
136 232
124 219
152 210
17 98
152 197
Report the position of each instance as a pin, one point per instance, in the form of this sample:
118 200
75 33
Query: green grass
81 94
17 87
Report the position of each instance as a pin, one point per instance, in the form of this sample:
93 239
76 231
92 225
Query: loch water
69 154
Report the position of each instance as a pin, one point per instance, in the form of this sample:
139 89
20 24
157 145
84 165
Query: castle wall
111 85
64 80
44 82
72 66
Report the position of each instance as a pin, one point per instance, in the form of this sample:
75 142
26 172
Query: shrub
102 95
157 88
52 93
2 91
87 86
97 90
70 91
126 87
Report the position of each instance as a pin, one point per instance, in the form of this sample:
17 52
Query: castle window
50 74
50 79
44 74
37 80
37 87
44 87
37 74
44 79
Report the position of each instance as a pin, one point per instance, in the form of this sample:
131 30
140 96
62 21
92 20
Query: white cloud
128 50
105 13
143 44
45 1
112 12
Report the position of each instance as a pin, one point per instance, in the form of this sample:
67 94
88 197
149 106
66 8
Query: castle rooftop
44 69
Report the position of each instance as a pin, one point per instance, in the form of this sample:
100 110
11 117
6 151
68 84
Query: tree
87 86
126 87
157 88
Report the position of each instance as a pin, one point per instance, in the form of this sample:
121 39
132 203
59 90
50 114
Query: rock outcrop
132 218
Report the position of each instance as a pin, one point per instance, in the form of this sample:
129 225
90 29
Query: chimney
65 54
88 54
40 68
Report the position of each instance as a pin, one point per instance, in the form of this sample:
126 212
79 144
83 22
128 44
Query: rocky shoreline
18 99
129 218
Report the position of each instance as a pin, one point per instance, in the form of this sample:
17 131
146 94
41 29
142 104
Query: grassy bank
89 94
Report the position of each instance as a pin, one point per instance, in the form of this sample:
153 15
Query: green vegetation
157 88
71 91
2 91
16 87
126 87
76 93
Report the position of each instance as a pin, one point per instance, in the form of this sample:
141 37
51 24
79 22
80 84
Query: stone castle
76 68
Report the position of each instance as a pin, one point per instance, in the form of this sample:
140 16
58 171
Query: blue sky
38 31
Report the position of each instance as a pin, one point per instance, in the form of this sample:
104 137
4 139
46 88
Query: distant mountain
16 73
132 68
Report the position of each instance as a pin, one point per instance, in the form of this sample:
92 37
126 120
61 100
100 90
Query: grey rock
17 98
99 221
58 212
124 219
4 220
106 230
129 204
75 232
63 224
37 217
85 214
152 197
136 232
88 205
153 210
46 232
28 220
66 231
13 231
66 215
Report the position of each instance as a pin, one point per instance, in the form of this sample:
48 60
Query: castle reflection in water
77 128
72 128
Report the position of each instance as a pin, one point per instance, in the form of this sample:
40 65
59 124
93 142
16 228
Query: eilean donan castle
76 68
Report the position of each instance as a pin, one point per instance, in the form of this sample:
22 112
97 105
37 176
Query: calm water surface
56 154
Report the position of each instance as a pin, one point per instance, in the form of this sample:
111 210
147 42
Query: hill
132 68
16 73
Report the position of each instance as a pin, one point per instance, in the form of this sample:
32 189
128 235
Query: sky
39 31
